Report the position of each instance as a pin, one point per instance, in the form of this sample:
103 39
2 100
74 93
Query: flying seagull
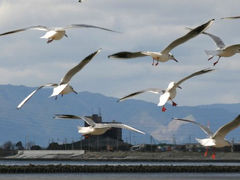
216 139
165 54
63 87
222 50
55 33
170 92
95 128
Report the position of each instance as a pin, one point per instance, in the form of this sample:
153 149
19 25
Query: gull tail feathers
211 52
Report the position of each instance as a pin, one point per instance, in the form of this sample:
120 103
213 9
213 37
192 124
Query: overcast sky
145 25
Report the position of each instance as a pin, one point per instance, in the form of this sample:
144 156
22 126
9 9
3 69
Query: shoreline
115 169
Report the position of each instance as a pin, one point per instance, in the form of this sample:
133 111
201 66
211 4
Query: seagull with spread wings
222 50
216 139
165 54
170 92
95 128
55 33
63 87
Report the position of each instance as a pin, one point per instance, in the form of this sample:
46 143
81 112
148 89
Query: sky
144 25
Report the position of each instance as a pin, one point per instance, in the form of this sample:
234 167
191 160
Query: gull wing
77 68
194 74
87 26
68 116
205 129
218 41
164 98
193 33
123 126
126 55
41 28
235 48
231 17
152 90
32 93
225 129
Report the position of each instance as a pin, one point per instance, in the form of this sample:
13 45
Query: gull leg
56 97
49 40
214 153
153 63
210 58
216 61
163 109
206 152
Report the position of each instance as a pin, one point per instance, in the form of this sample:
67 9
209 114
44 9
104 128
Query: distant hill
34 121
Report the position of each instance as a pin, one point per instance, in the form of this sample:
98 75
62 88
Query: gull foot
163 109
174 104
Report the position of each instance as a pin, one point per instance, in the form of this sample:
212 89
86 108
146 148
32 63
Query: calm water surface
124 176
52 162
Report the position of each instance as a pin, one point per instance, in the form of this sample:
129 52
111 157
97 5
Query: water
47 162
123 176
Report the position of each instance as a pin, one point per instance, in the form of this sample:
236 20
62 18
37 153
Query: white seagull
55 33
95 128
222 50
165 54
63 87
170 92
216 139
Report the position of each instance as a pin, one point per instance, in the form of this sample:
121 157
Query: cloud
145 25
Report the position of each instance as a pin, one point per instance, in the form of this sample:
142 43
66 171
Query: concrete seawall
116 169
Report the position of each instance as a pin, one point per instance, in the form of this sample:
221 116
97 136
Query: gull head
170 86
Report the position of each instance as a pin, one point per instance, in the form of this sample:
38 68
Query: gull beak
173 58
179 87
75 92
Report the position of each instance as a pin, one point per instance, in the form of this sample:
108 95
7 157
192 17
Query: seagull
217 139
165 54
63 87
55 33
170 92
222 50
95 128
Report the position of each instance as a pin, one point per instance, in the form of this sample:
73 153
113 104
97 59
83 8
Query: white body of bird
92 130
169 94
54 35
216 142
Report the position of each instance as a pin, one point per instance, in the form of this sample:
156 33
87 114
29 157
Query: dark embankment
117 169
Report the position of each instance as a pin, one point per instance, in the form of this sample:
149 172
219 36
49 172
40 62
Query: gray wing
41 28
126 55
224 130
123 126
216 39
234 48
152 90
193 33
88 26
32 93
194 74
205 129
68 116
77 68
231 17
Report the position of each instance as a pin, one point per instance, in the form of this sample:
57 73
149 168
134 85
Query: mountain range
35 123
